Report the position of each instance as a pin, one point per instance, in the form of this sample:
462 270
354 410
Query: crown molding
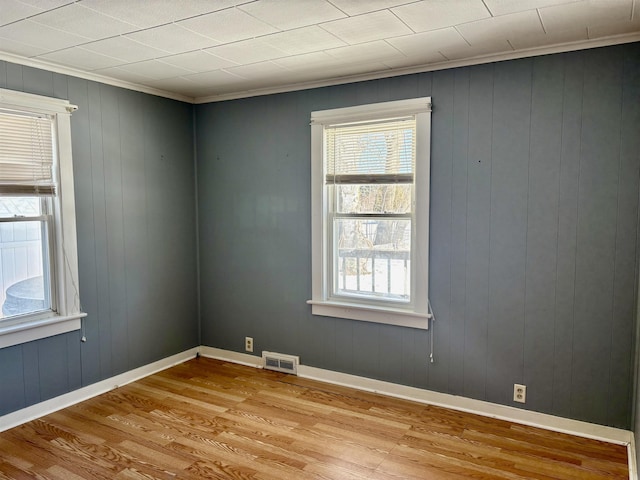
392 72
447 64
73 72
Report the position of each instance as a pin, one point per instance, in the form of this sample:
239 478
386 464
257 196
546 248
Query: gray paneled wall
135 207
534 228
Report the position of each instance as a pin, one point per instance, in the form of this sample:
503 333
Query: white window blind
354 152
26 154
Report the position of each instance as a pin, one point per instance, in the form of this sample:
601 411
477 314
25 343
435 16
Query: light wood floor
210 419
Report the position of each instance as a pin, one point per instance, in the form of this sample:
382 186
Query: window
370 212
38 253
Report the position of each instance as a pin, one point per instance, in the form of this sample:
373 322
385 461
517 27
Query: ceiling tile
262 70
197 61
247 51
358 7
148 13
303 40
368 27
180 85
42 36
285 14
13 10
125 49
434 41
378 51
209 47
505 27
434 14
120 74
154 69
80 58
46 4
336 71
172 38
19 48
83 21
213 78
586 14
549 38
308 61
425 58
615 28
471 51
228 26
503 7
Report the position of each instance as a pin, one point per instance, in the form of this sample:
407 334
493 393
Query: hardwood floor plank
208 419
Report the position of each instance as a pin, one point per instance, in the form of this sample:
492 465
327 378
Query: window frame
65 315
414 314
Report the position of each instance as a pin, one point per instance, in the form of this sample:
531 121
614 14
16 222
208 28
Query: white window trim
68 316
417 315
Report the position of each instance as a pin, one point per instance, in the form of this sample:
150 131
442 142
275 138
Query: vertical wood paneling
390 352
478 231
14 77
31 372
12 393
37 81
459 187
74 360
115 234
344 344
527 167
52 366
3 74
542 230
100 257
534 215
567 234
595 257
509 189
83 185
366 349
622 328
440 225
134 193
60 86
156 162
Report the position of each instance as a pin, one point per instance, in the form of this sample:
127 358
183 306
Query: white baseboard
49 406
229 356
463 404
479 407
633 461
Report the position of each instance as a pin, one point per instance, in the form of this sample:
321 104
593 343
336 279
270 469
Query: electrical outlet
248 344
519 393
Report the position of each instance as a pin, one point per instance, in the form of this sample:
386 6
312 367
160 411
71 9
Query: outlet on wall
248 344
519 393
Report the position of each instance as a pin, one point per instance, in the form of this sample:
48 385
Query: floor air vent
280 362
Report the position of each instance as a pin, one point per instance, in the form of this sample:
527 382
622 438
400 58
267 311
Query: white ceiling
204 50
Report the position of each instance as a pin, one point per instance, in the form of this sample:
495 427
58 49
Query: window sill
388 316
28 331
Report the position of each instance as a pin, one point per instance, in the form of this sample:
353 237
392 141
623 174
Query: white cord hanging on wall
432 316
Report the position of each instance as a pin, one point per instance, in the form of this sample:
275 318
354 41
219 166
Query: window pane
373 258
392 199
24 272
20 206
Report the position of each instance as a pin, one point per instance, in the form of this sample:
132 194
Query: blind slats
371 152
26 154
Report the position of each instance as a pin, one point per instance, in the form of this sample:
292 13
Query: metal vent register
280 362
